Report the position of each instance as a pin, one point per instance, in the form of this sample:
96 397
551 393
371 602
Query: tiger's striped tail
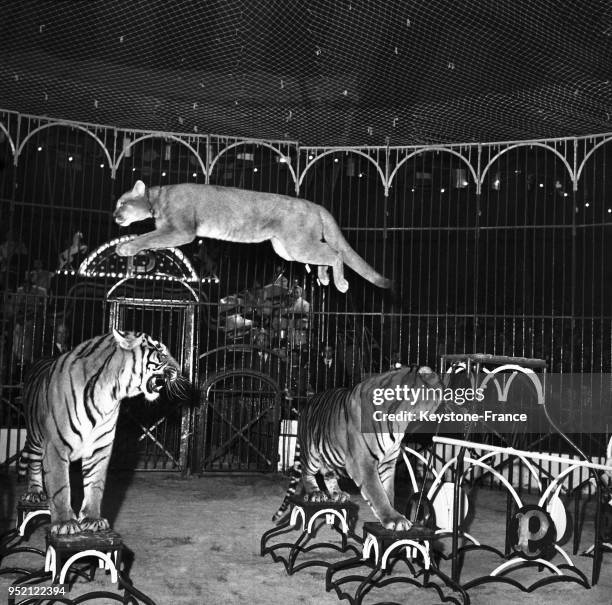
296 475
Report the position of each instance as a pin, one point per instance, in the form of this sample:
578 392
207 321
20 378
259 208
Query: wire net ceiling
321 72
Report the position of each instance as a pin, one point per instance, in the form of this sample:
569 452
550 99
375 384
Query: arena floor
196 542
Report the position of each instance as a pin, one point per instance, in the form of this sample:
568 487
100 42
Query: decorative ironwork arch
528 144
69 125
427 150
161 135
252 142
318 156
9 138
590 153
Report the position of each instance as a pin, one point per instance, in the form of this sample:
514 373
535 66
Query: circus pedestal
340 517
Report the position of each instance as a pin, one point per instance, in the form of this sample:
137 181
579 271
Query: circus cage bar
501 248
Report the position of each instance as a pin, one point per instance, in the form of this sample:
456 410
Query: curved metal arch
427 150
69 125
527 144
10 140
310 164
204 388
588 156
253 142
165 137
126 279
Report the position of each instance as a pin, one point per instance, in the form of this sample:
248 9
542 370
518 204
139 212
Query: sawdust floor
196 542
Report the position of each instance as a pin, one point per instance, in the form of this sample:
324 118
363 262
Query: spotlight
496 184
460 178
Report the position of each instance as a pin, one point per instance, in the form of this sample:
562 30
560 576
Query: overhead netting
322 72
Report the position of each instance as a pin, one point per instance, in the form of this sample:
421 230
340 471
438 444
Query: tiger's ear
127 340
139 189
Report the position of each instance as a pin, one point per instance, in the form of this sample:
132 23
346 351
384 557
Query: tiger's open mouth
156 383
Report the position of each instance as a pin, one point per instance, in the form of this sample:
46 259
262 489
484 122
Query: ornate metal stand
382 550
60 559
603 524
340 517
532 531
28 515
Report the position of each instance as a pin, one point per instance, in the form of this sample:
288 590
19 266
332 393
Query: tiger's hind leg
309 480
94 480
31 456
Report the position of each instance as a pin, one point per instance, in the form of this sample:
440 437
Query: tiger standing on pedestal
71 407
337 435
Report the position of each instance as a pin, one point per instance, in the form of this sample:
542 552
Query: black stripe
60 432
59 491
71 421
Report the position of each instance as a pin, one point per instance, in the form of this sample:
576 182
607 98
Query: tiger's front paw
66 528
34 496
315 496
126 249
94 525
339 496
396 522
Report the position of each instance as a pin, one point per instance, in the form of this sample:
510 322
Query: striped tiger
71 407
338 435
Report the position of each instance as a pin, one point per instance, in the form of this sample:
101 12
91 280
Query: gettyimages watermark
504 403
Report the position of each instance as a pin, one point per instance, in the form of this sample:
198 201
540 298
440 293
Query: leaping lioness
298 229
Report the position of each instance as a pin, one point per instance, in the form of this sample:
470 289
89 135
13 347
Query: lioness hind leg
281 249
323 274
339 280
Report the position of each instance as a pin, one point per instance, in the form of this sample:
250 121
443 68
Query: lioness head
133 206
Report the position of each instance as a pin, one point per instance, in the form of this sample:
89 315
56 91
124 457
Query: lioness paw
126 249
341 284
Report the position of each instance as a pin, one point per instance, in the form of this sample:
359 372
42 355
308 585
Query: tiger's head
133 206
152 363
